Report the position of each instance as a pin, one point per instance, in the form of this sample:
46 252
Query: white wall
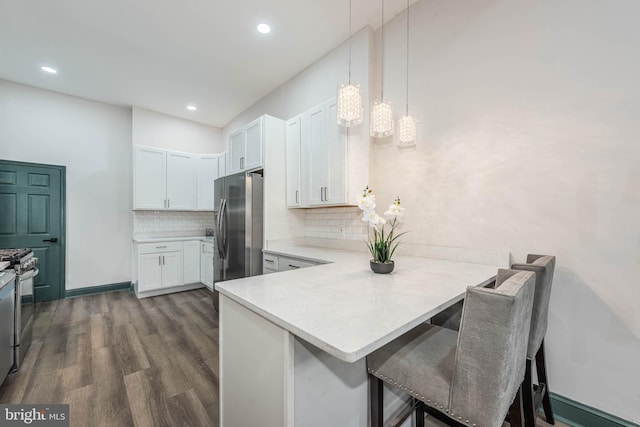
93 141
159 130
528 142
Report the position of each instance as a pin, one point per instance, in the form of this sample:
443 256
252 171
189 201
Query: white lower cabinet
164 267
191 261
274 263
159 265
206 264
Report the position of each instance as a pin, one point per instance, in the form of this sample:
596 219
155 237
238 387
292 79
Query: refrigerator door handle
224 229
220 237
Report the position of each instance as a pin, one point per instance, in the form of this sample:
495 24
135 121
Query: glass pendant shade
350 105
407 130
382 122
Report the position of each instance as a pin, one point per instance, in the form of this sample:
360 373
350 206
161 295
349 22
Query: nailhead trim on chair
416 395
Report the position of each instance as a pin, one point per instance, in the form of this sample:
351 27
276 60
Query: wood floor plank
120 361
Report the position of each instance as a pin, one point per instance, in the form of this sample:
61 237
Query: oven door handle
30 274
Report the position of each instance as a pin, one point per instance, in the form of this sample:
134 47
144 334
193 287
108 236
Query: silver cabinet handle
297 196
159 260
322 194
162 259
168 203
241 162
269 260
165 203
160 247
294 266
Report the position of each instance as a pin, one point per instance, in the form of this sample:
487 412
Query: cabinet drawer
270 262
152 248
293 263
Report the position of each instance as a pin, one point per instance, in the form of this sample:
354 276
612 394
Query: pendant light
408 124
381 111
350 105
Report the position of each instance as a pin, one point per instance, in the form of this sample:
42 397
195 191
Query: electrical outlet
341 228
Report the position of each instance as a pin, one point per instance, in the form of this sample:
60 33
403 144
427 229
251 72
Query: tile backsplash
335 223
165 221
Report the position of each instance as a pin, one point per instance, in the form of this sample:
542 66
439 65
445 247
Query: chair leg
541 369
376 402
528 405
515 411
420 415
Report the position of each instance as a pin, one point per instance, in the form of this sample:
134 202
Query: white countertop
347 310
172 239
3 265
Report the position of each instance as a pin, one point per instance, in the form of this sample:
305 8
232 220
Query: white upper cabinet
181 181
223 159
172 180
149 181
246 147
292 152
325 145
332 169
208 172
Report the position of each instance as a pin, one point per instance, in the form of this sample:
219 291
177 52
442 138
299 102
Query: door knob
52 240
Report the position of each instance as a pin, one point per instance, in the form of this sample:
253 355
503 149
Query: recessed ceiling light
49 69
192 107
263 28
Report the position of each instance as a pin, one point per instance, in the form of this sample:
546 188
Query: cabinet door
336 157
181 179
236 152
207 174
149 272
222 164
203 262
190 262
314 137
253 144
149 178
208 277
171 269
292 168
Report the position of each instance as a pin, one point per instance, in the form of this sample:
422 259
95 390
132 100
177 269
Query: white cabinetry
191 261
149 179
163 179
246 146
292 156
208 172
181 181
159 266
326 148
206 264
274 263
331 169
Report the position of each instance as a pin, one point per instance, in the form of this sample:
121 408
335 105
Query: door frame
63 221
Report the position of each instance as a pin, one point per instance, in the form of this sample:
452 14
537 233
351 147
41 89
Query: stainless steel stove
25 266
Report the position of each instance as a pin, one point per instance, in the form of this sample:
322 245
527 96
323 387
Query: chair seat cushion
419 362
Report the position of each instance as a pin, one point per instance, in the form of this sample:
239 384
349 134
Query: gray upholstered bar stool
543 266
469 378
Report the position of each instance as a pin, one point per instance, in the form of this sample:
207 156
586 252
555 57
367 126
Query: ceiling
166 54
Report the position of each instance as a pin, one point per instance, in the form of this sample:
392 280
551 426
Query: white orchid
395 210
383 246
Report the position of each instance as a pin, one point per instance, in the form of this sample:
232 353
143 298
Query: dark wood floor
120 361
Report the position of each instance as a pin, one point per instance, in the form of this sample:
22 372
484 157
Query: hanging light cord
382 56
407 113
349 41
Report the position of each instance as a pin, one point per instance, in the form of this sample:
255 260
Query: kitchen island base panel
269 377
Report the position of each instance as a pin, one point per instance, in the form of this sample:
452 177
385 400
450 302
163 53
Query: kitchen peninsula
293 344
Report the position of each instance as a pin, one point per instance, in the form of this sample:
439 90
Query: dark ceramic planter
381 267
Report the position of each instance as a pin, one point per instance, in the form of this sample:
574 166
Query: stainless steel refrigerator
239 227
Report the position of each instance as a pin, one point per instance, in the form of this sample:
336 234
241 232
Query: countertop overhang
347 310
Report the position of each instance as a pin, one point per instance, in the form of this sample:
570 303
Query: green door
32 216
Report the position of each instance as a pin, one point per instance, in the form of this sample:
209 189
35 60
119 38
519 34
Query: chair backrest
491 353
543 266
